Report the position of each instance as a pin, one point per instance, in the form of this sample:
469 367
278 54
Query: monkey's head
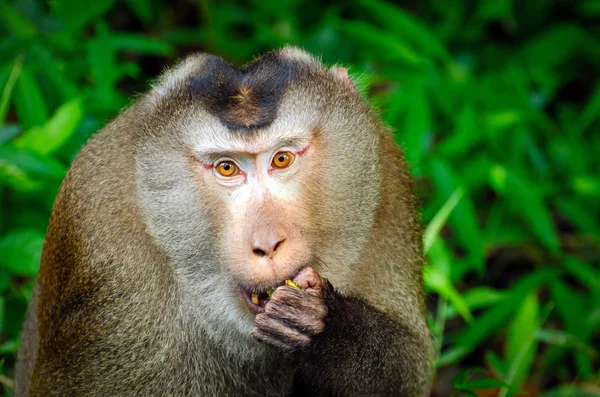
246 176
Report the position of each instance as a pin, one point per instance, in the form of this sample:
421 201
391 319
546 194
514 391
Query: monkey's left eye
283 159
227 168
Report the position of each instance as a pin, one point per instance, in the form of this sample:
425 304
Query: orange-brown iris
283 159
227 168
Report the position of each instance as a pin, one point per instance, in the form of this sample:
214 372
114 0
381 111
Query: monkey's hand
292 317
342 344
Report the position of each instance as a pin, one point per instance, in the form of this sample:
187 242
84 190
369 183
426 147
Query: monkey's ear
342 75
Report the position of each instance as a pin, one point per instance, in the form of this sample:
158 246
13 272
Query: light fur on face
210 225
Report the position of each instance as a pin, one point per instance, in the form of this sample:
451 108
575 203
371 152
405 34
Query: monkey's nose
267 245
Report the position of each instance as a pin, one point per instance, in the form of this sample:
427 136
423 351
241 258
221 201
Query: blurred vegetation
496 103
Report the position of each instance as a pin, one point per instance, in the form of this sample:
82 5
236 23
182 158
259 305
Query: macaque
235 232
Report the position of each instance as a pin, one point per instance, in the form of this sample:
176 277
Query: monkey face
258 188
246 176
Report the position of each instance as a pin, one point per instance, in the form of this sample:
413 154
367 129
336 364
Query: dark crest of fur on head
245 98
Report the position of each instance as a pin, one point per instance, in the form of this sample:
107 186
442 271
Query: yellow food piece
255 299
270 292
292 284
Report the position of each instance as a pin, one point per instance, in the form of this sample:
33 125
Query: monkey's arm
361 352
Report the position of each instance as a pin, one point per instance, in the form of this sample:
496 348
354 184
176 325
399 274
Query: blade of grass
521 344
440 218
10 84
441 284
528 321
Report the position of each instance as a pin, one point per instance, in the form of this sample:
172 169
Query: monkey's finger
300 299
309 306
305 301
309 278
271 331
288 294
279 330
297 297
261 336
298 310
310 321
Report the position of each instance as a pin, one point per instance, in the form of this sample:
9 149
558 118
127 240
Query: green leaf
14 316
569 391
590 113
497 9
382 44
565 340
2 305
495 318
583 271
462 381
496 364
29 101
77 14
441 284
503 119
587 185
589 7
463 219
527 201
553 46
25 171
439 256
403 25
61 79
9 86
20 251
141 44
8 132
55 133
416 126
32 163
142 9
521 343
10 346
480 297
569 305
466 134
579 215
439 220
4 282
105 72
484 383
17 23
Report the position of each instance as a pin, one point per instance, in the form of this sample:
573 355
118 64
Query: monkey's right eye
227 168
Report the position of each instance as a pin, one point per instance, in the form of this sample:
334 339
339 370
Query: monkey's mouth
256 301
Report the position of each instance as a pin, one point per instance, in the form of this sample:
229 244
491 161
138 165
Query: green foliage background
496 104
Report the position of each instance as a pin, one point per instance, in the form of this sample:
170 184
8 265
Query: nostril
278 245
270 249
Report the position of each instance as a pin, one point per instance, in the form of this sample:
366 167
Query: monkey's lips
256 301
